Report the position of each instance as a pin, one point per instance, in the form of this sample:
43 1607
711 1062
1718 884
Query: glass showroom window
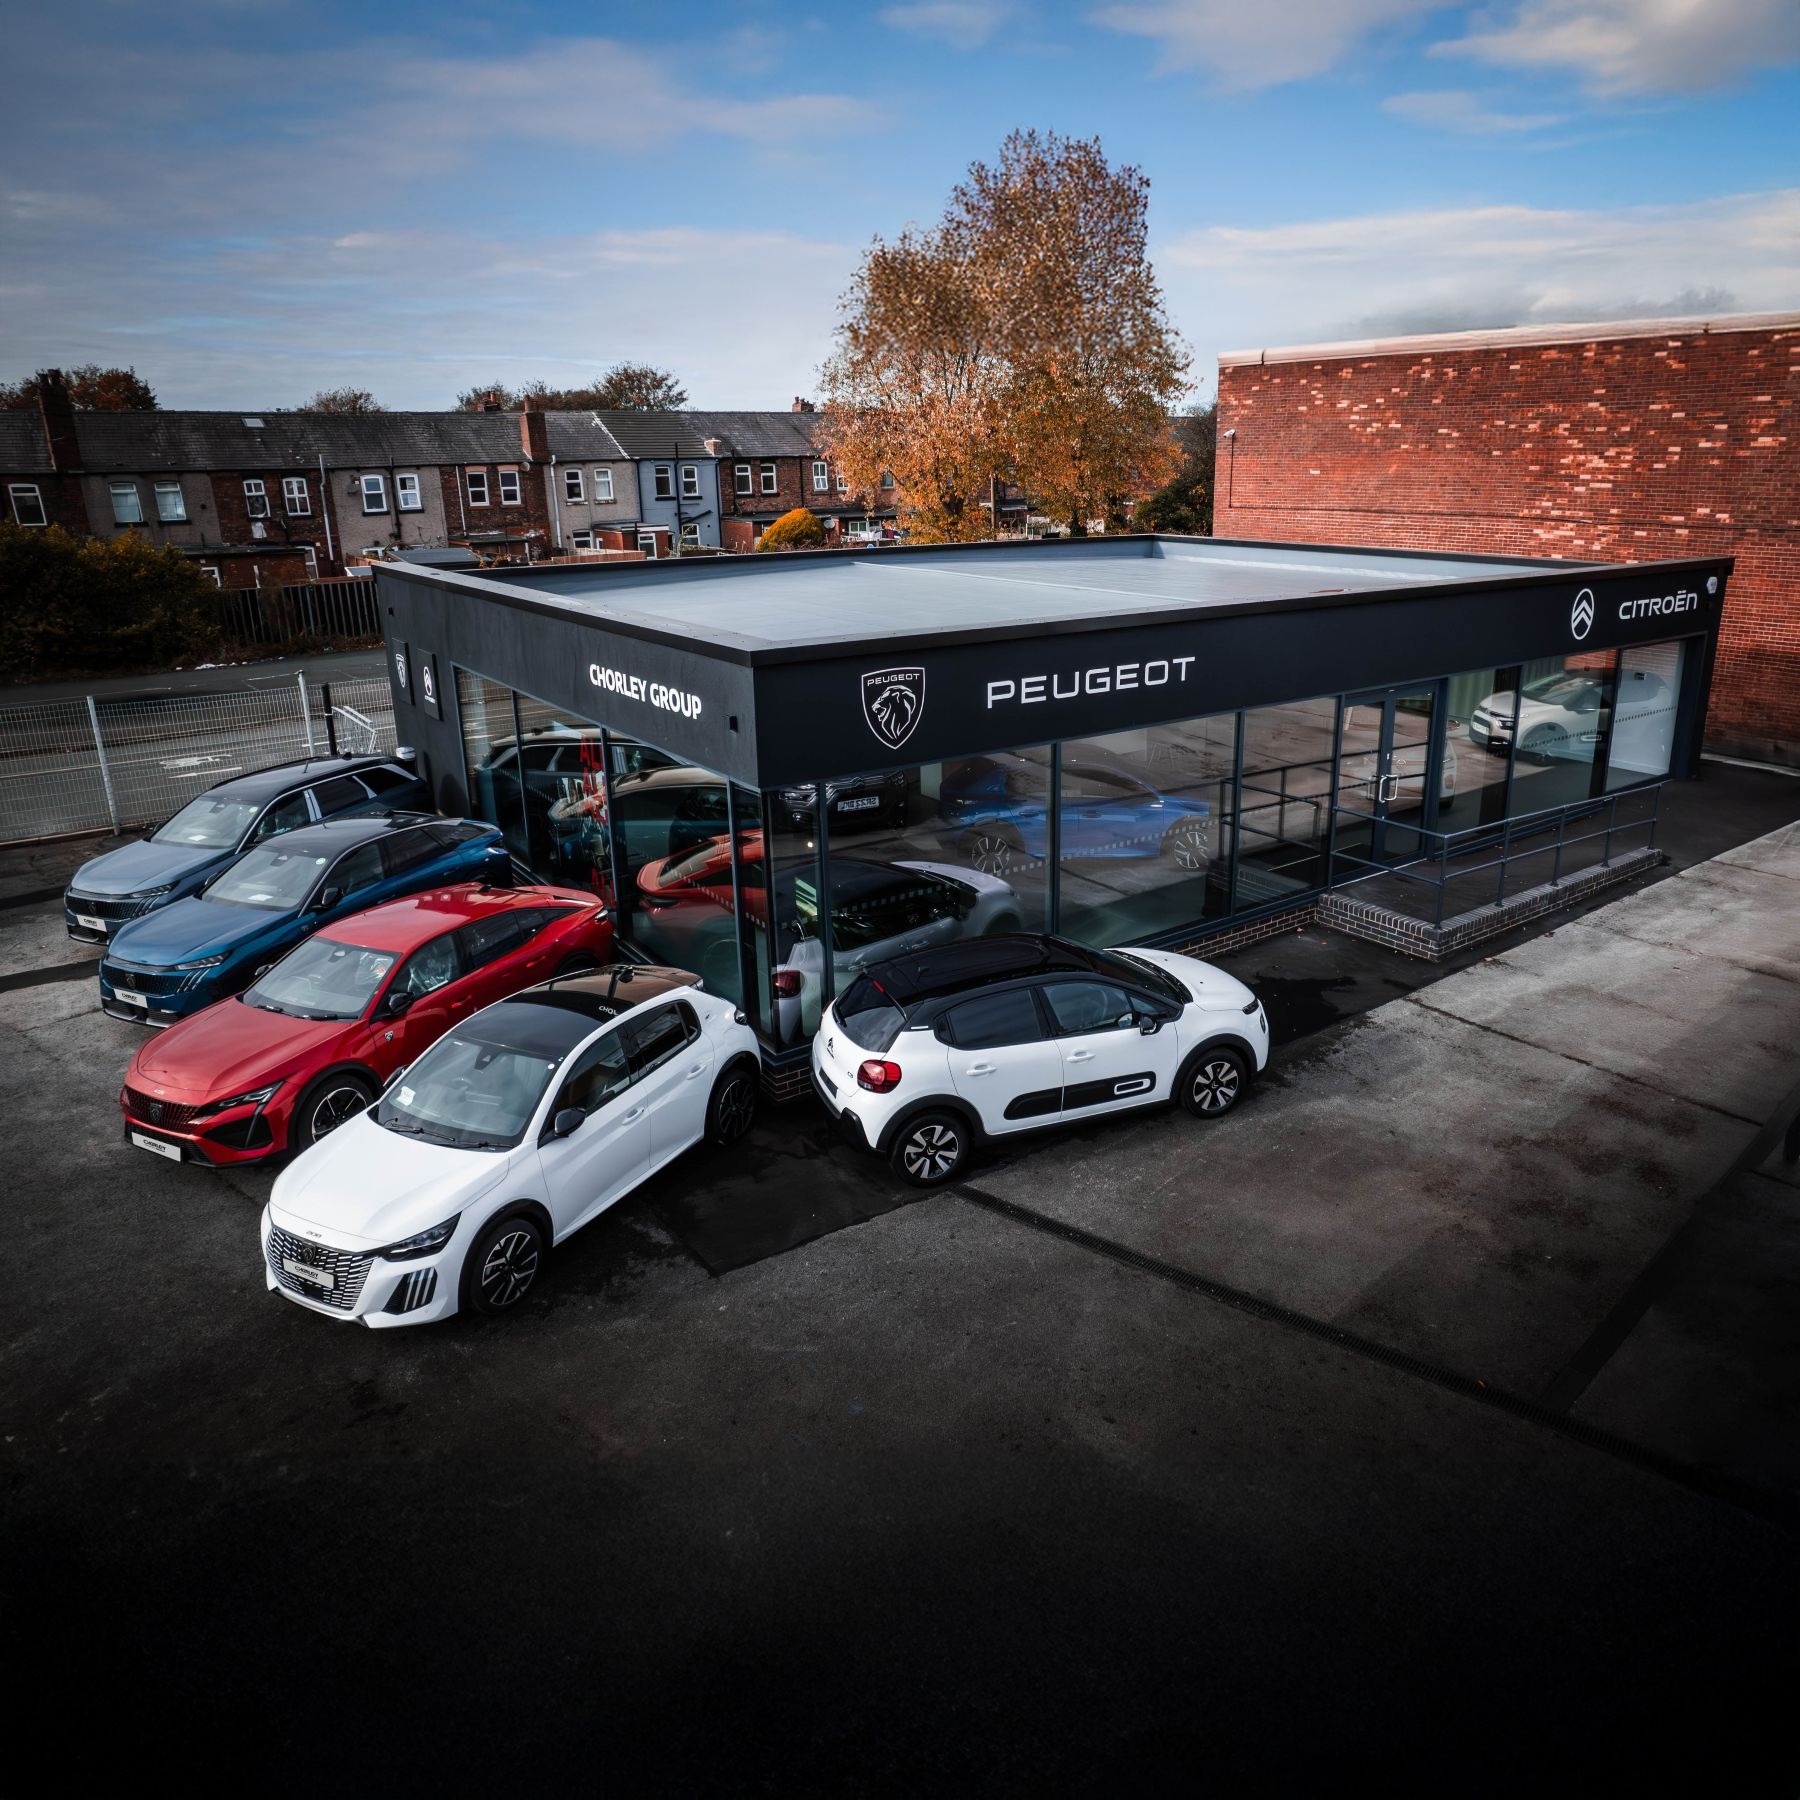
1146 829
171 503
128 509
1284 812
788 916
1643 733
294 497
491 757
1565 718
603 486
1483 707
561 762
406 493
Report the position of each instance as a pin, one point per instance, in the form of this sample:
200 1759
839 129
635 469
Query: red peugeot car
310 1044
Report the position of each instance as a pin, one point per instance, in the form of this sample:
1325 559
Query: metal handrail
1506 833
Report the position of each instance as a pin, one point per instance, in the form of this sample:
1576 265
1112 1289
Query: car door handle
637 1112
1081 1056
697 1069
979 1069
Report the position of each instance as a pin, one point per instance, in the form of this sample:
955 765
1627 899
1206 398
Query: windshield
1563 687
472 1090
273 878
322 980
1144 973
869 1019
212 822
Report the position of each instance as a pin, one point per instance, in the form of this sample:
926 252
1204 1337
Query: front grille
100 906
349 1269
166 1113
159 984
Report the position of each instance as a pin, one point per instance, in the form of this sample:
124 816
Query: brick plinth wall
1647 440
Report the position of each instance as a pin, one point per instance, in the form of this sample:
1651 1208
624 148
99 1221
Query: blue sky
249 199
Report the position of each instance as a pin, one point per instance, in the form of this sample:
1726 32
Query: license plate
863 803
171 1151
91 924
320 1278
126 997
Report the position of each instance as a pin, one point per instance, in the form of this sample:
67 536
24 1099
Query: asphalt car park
1085 1475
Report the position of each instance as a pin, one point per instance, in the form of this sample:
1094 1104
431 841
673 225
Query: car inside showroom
779 768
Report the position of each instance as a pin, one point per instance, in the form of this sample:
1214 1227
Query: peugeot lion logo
400 666
1581 614
892 702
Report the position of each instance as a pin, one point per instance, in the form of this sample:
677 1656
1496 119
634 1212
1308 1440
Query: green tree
1185 504
91 389
353 402
81 605
800 529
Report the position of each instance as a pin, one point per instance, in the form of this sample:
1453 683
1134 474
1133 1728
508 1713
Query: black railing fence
308 615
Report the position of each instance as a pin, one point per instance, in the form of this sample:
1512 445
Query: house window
312 561
295 497
768 478
821 478
690 482
256 500
509 487
741 479
843 482
406 493
212 569
646 541
478 488
374 493
603 484
171 504
27 503
572 485
582 540
663 474
887 479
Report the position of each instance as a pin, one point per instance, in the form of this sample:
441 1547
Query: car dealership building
777 767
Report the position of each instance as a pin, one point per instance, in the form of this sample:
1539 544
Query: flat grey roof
789 601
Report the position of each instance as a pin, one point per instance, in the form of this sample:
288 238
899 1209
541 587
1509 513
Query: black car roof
976 962
265 784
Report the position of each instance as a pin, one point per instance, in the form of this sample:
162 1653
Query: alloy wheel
509 1269
333 1108
737 1108
1187 848
1216 1085
989 853
931 1152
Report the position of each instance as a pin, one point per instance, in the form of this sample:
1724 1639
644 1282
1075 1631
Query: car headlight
155 893
204 962
255 1097
424 1243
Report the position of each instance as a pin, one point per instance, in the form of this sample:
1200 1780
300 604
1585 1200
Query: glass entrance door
1390 760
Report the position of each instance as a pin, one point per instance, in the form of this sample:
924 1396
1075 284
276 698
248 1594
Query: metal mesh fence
84 765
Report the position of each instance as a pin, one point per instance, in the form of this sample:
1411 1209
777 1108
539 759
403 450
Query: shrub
81 605
796 530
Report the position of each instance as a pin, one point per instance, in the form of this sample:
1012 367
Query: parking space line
1777 1509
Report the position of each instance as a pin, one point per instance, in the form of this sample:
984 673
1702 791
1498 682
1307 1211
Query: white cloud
1456 109
962 24
1462 269
1620 47
1256 43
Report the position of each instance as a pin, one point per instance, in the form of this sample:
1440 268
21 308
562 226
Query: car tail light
787 984
877 1076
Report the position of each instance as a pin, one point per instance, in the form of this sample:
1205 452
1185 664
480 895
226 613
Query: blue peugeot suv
996 809
174 961
214 829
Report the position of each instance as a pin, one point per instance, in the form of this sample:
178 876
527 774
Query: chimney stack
490 401
802 405
712 445
57 413
534 436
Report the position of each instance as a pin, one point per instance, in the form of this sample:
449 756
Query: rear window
868 1018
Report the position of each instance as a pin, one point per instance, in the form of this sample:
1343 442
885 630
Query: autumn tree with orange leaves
1023 337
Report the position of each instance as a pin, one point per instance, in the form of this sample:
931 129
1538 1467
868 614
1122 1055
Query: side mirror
568 1121
327 899
1150 1025
397 1002
393 1078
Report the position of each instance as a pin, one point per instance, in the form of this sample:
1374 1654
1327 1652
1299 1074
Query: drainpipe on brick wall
555 503
325 502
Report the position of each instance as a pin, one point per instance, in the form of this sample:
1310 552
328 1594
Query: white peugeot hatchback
513 1130
924 1057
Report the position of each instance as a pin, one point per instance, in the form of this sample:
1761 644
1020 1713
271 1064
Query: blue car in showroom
996 812
174 961
214 829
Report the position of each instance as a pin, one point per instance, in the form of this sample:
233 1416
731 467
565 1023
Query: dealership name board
1102 678
648 693
1656 606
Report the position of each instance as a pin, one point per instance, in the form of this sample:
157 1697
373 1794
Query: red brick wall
529 520
282 535
61 495
1616 450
